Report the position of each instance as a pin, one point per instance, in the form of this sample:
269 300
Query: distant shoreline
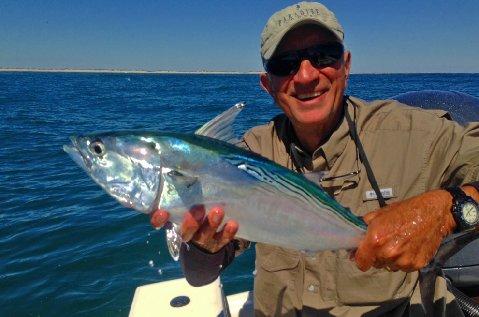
173 72
120 71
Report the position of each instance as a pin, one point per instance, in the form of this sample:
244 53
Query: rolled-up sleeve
463 145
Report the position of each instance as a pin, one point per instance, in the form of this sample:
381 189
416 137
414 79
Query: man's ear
347 64
265 83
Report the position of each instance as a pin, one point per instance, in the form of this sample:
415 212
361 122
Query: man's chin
309 118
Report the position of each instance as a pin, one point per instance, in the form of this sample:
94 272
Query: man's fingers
370 216
362 263
192 221
158 218
209 227
364 257
198 213
387 254
227 234
202 230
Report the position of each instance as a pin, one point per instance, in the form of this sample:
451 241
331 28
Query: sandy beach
123 71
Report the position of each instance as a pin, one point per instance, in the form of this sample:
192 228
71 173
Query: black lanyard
362 156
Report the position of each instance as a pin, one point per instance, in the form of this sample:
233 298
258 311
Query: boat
176 298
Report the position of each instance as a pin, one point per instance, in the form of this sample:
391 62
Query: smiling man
383 160
307 88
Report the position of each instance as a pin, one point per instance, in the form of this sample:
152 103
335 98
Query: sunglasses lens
282 65
326 55
320 56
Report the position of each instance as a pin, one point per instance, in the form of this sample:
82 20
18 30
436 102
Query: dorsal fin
220 127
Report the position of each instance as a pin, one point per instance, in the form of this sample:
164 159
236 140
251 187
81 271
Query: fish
150 170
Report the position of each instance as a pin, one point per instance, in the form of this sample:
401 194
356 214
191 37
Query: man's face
312 96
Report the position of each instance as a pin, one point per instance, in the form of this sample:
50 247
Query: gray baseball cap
293 16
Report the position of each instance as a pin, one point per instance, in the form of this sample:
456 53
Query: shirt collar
326 155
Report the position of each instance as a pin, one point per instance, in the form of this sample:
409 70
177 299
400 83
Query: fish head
126 166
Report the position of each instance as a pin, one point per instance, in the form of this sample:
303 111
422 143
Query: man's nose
306 73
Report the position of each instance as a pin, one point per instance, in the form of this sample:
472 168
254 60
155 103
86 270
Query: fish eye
97 148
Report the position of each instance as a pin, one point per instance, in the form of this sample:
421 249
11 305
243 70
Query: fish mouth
76 154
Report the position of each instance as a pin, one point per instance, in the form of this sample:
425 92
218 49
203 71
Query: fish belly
265 211
280 221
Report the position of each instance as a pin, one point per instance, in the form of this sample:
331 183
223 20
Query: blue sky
384 36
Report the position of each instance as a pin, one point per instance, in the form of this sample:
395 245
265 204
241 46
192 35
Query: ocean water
67 248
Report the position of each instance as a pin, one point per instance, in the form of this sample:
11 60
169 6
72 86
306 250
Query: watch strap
473 184
457 194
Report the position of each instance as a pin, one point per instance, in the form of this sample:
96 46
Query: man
353 149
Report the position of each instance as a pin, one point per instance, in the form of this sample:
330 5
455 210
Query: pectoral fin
180 179
186 187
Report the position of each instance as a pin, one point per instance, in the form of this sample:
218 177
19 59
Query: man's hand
406 235
199 229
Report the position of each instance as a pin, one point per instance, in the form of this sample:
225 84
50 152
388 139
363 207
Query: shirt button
313 288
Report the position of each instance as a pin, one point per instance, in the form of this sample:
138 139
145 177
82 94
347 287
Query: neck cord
362 155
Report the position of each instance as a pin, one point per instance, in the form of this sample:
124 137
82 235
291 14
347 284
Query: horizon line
212 72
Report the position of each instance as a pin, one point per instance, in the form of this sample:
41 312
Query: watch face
470 213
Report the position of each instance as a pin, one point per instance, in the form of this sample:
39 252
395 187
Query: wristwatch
464 209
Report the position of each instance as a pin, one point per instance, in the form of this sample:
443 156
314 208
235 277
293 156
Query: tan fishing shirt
410 151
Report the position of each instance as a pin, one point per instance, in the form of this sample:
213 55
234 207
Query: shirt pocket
280 263
277 280
373 287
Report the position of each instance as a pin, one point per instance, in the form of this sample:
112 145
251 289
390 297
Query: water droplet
159 252
147 242
221 266
160 271
151 263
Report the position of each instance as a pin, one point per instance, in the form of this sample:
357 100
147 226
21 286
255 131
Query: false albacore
175 171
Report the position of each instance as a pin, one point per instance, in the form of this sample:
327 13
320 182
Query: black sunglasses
320 55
